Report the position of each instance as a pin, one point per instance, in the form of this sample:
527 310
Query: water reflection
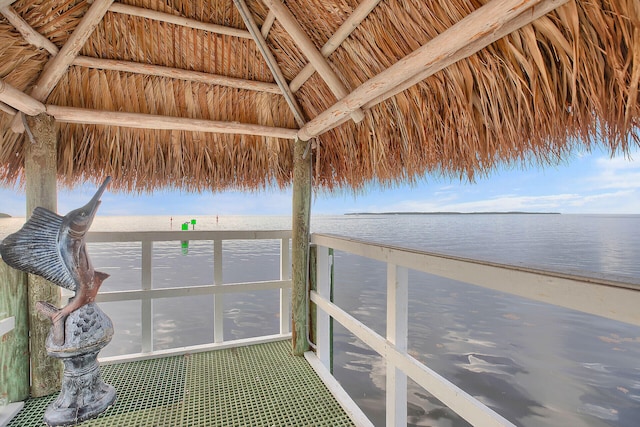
536 364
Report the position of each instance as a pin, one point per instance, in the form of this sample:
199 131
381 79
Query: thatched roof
571 77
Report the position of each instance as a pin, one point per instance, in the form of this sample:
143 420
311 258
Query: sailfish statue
53 246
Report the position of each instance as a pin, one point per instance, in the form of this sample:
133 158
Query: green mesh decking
258 385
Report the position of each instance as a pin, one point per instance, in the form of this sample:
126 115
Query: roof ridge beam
177 20
30 35
250 22
474 32
334 42
175 73
59 64
152 121
314 56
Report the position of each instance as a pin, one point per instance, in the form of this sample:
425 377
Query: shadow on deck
258 385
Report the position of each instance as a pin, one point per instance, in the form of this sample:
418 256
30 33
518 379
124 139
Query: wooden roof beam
20 100
315 57
151 121
7 108
30 35
175 73
347 27
267 24
177 20
250 22
4 3
477 30
59 64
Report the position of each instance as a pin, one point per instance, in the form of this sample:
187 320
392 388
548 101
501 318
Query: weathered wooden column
300 245
14 349
40 173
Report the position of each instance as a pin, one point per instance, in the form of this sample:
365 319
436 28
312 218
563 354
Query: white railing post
323 338
218 302
285 274
397 331
147 302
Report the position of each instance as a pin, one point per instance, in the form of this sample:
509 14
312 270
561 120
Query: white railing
147 294
607 298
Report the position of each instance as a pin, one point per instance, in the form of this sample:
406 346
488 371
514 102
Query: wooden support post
300 245
14 350
40 173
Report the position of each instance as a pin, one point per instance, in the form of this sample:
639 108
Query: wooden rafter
175 73
7 108
308 49
30 35
487 24
178 20
267 24
150 121
271 61
4 3
15 99
350 24
20 100
60 63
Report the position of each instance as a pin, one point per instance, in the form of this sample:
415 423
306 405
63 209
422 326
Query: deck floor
258 385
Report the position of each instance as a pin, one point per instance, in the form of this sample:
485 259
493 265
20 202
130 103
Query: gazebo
314 94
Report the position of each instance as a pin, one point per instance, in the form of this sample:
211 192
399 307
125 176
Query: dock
256 385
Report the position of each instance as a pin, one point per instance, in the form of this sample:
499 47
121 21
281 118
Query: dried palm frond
570 79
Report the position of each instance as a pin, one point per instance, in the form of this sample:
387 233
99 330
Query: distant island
454 213
3 215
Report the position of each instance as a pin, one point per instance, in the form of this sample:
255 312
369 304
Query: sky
586 183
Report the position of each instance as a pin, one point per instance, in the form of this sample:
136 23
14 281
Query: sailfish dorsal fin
35 248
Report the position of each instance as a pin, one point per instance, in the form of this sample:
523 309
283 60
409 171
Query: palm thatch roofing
211 94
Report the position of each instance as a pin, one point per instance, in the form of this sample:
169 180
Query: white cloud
617 172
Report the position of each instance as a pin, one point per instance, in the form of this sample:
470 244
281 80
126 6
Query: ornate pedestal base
83 395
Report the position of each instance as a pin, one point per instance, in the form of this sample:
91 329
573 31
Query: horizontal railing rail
614 299
147 293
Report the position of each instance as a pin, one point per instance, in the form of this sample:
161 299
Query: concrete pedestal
83 395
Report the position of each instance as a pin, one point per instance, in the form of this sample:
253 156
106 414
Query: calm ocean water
536 364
